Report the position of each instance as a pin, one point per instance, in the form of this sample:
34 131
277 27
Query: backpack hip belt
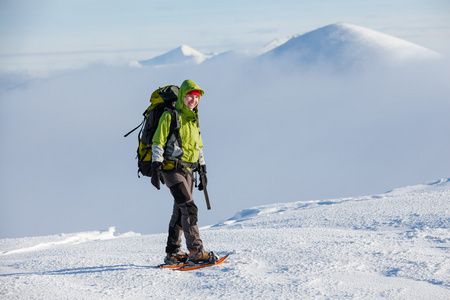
182 165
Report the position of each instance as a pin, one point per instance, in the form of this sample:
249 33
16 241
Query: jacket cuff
157 153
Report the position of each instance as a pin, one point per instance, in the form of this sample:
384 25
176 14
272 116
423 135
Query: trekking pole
203 179
206 197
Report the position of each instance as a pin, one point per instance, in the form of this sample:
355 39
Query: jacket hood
186 87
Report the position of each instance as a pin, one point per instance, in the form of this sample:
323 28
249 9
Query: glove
203 178
156 174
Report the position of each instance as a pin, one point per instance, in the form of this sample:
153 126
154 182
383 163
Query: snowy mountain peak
182 54
346 44
188 51
356 34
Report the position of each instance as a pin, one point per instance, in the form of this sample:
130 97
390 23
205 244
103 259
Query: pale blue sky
35 34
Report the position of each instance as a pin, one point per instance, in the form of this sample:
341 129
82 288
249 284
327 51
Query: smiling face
191 101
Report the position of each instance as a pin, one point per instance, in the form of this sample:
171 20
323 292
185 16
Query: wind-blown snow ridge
73 239
303 213
438 184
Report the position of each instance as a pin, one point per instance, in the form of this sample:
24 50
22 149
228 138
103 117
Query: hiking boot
175 258
202 256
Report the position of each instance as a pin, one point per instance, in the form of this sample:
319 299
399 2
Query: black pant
184 215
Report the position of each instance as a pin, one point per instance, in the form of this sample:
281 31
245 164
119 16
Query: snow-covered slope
400 208
344 44
181 55
388 246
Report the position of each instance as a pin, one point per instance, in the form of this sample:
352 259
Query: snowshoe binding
175 258
202 257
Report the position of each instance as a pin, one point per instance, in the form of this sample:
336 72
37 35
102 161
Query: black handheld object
203 182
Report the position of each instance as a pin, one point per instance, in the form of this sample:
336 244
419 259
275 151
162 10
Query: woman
175 158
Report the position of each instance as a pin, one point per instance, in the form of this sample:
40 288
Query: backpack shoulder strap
174 125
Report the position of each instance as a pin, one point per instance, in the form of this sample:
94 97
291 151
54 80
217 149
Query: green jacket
191 140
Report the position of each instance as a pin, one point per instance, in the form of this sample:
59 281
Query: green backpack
161 100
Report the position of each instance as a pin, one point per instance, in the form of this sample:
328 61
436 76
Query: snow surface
387 246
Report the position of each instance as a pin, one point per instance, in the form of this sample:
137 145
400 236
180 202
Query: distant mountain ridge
180 55
340 44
